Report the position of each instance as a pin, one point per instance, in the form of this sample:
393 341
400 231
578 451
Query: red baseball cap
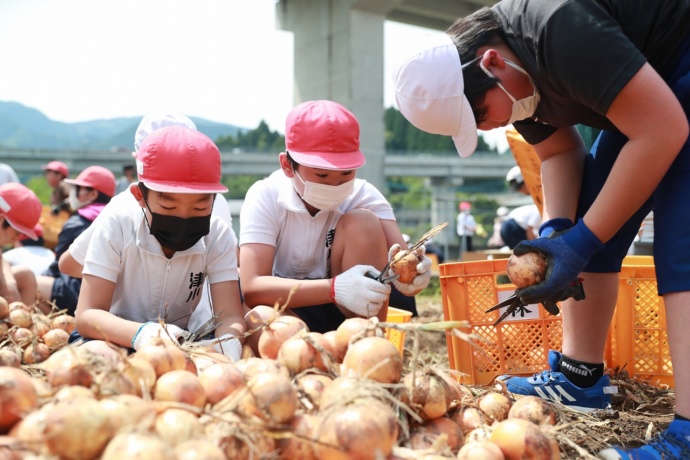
323 134
38 230
464 206
21 208
97 178
177 159
57 166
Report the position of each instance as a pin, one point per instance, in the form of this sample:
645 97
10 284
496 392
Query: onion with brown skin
180 386
468 418
20 318
66 322
312 386
129 411
480 450
405 265
374 358
17 396
534 409
495 406
300 445
271 397
199 449
56 338
521 439
426 435
175 426
9 358
351 327
36 353
163 355
427 394
366 429
220 381
278 331
298 354
527 269
141 373
138 445
4 308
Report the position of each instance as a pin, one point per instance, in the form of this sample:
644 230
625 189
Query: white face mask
524 108
322 196
74 202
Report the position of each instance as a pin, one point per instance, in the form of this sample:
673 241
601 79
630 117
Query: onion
300 444
199 449
495 406
520 439
180 386
374 358
298 354
113 382
20 318
65 322
220 380
141 373
70 393
19 305
343 385
68 367
478 434
163 355
36 353
312 387
138 445
21 335
175 426
426 435
366 429
9 357
237 444
480 450
77 429
17 396
271 397
41 324
351 327
56 338
527 269
427 394
405 266
278 331
205 359
103 349
128 411
4 308
534 409
468 418
29 431
3 327
252 366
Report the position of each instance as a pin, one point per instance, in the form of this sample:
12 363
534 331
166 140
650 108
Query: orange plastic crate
396 315
518 345
638 331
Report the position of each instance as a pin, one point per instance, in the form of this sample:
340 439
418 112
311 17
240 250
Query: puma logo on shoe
579 370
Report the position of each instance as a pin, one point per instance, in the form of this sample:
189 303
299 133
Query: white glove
361 295
226 344
420 281
148 331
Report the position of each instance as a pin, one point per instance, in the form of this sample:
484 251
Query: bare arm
94 320
259 287
69 266
226 303
8 285
648 113
393 234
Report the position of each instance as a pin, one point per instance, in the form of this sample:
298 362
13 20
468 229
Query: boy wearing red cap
312 224
90 192
147 262
56 172
20 210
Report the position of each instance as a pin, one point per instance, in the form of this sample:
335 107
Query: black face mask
177 233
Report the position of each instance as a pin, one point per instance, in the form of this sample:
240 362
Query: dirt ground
640 410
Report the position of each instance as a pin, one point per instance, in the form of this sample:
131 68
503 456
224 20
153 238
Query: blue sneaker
552 385
672 444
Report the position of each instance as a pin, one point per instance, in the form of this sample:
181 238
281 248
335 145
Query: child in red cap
20 211
56 172
147 262
313 224
90 192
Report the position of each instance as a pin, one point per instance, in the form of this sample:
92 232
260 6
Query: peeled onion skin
405 266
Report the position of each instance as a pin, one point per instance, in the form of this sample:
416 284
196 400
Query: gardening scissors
202 331
514 305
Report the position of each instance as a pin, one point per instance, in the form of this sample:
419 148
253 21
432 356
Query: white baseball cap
157 120
429 91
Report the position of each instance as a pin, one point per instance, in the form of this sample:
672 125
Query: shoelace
544 376
664 444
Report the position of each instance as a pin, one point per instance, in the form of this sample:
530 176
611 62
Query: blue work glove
557 224
567 253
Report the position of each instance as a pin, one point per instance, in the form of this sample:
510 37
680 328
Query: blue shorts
670 201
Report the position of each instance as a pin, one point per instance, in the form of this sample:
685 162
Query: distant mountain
24 127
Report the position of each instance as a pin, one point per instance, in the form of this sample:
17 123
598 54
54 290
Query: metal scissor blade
509 311
510 300
207 327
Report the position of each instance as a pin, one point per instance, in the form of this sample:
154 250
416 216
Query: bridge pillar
339 56
444 209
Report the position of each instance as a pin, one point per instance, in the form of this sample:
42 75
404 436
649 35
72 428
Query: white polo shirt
149 286
274 214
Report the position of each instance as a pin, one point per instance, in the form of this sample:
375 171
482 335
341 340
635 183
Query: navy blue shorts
670 201
65 293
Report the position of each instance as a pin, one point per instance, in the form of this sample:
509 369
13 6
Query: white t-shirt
273 214
526 216
149 286
465 224
37 258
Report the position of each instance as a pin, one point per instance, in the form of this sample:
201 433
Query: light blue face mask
524 108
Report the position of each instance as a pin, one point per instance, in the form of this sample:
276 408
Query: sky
221 60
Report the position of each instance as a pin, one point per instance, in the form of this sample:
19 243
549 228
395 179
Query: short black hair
128 167
293 163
